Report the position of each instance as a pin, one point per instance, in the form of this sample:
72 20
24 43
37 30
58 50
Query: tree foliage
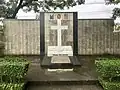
116 11
112 1
13 6
2 8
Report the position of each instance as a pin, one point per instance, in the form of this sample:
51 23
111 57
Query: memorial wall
22 37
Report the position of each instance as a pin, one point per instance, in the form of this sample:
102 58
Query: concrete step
67 82
41 79
65 87
42 76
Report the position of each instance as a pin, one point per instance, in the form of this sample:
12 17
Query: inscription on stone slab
59 50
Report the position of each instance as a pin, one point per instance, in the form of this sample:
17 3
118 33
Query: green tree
13 6
2 8
116 11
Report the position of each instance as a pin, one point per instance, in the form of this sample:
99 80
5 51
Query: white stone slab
60 59
59 50
60 70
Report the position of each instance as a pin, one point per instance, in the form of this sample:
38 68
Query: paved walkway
85 73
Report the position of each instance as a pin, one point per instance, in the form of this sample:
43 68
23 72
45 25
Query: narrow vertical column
42 34
75 33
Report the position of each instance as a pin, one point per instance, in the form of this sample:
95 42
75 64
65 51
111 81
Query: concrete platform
82 78
42 76
84 73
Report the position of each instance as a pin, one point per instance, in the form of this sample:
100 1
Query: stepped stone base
80 76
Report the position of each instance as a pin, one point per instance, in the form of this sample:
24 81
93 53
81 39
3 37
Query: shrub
11 86
12 59
107 85
108 67
16 69
12 72
109 72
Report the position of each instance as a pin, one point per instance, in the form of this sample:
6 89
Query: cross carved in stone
59 27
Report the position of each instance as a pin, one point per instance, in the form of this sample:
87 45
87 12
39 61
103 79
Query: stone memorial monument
58 39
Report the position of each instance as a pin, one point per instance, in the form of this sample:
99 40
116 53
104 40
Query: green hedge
107 85
108 72
108 67
12 73
13 69
10 79
11 86
12 59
